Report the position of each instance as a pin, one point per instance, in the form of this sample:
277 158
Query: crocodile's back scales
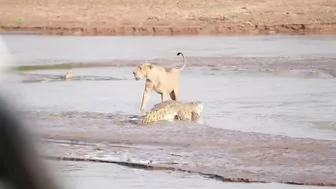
166 105
171 110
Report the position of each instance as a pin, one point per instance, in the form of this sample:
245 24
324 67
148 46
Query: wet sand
189 17
283 134
224 154
75 175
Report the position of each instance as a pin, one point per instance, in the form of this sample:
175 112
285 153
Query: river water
282 87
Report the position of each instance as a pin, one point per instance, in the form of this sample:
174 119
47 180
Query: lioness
163 80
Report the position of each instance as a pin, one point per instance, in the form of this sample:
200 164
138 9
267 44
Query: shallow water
277 85
297 107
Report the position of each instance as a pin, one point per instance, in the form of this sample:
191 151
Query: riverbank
190 17
284 134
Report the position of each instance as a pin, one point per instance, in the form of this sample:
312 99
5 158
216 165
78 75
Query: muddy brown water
269 106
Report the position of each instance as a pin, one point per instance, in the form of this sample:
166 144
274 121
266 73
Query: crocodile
171 110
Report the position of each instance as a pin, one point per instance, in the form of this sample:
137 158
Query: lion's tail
184 61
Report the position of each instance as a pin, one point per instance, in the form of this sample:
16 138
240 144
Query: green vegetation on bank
64 66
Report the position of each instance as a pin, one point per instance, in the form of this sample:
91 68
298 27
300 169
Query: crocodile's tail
150 117
156 116
184 61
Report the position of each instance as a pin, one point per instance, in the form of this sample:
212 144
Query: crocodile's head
198 107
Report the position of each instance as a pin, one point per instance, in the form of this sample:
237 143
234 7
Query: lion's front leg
145 96
163 96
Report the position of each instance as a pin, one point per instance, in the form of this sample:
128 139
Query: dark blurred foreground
20 166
